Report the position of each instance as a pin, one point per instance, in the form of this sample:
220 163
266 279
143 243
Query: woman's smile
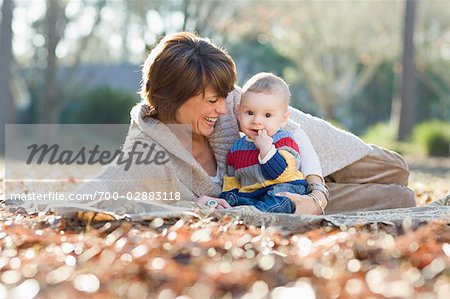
211 120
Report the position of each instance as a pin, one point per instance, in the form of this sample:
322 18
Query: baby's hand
263 142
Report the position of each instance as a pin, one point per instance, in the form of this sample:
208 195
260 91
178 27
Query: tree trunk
408 83
47 105
7 110
52 98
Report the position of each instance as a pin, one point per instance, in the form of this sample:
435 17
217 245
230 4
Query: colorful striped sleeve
274 167
288 144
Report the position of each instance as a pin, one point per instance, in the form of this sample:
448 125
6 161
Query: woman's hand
222 203
304 204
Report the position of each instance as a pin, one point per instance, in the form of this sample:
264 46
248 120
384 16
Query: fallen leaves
194 257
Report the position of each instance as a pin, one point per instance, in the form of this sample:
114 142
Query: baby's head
264 105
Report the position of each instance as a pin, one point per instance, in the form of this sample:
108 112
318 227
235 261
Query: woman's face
202 112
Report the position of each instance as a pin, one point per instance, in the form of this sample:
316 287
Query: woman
188 84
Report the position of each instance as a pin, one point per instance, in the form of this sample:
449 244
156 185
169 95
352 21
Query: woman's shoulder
144 125
142 111
233 100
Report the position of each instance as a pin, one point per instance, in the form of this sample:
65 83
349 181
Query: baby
266 160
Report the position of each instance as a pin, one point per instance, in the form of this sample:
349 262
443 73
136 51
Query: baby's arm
282 160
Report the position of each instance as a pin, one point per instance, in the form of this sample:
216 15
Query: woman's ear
285 118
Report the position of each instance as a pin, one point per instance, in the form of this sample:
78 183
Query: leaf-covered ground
49 257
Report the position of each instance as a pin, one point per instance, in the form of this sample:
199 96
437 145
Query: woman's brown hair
181 66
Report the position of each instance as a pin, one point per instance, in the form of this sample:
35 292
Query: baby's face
262 111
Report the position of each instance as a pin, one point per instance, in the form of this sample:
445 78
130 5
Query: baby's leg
282 204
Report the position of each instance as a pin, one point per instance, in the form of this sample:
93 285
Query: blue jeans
269 202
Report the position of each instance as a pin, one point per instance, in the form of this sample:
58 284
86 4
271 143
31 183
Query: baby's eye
268 115
250 112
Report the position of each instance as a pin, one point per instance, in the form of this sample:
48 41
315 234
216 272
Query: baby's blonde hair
269 84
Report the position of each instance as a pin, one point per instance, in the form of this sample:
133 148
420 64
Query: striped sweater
250 176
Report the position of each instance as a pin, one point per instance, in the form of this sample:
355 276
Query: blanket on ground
147 211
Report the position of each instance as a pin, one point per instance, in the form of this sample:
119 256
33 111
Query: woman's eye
214 99
268 115
249 112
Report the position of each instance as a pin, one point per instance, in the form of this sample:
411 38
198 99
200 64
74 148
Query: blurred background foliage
99 105
76 61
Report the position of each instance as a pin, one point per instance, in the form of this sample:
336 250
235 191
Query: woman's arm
316 200
310 164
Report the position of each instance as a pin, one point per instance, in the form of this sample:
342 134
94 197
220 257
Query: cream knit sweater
335 149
